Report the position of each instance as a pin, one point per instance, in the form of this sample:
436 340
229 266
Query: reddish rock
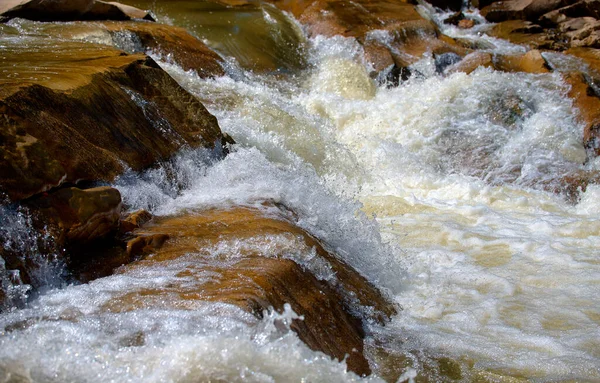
587 104
256 278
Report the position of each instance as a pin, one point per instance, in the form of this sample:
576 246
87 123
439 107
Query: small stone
466 23
135 220
146 244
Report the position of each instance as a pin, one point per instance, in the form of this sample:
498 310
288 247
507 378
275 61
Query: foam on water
69 335
502 272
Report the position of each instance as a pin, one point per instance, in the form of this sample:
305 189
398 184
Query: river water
439 191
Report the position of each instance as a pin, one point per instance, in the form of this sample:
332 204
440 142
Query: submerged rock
77 111
262 260
69 10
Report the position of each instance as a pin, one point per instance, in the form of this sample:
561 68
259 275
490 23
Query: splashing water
439 191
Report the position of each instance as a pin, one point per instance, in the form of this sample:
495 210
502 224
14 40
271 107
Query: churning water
441 191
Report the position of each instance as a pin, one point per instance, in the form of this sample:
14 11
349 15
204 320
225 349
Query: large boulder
176 42
69 10
173 43
77 111
258 269
521 9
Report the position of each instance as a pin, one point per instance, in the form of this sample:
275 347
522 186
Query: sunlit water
438 191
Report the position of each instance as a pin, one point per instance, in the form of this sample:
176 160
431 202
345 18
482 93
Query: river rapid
436 190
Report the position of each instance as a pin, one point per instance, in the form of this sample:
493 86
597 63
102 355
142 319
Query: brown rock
410 35
258 277
455 18
521 9
78 111
138 37
588 106
466 23
530 62
529 34
81 216
145 244
590 56
471 62
135 220
185 49
70 10
582 8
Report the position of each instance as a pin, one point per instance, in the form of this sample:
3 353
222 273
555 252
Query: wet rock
444 60
530 62
521 9
145 244
134 221
184 49
572 185
509 111
74 111
383 27
70 10
529 34
455 18
251 254
171 42
587 104
471 62
81 216
466 24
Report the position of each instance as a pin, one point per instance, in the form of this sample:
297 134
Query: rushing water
439 191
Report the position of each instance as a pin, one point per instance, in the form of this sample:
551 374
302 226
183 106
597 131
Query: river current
436 190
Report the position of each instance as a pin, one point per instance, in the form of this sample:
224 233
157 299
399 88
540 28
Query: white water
490 268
